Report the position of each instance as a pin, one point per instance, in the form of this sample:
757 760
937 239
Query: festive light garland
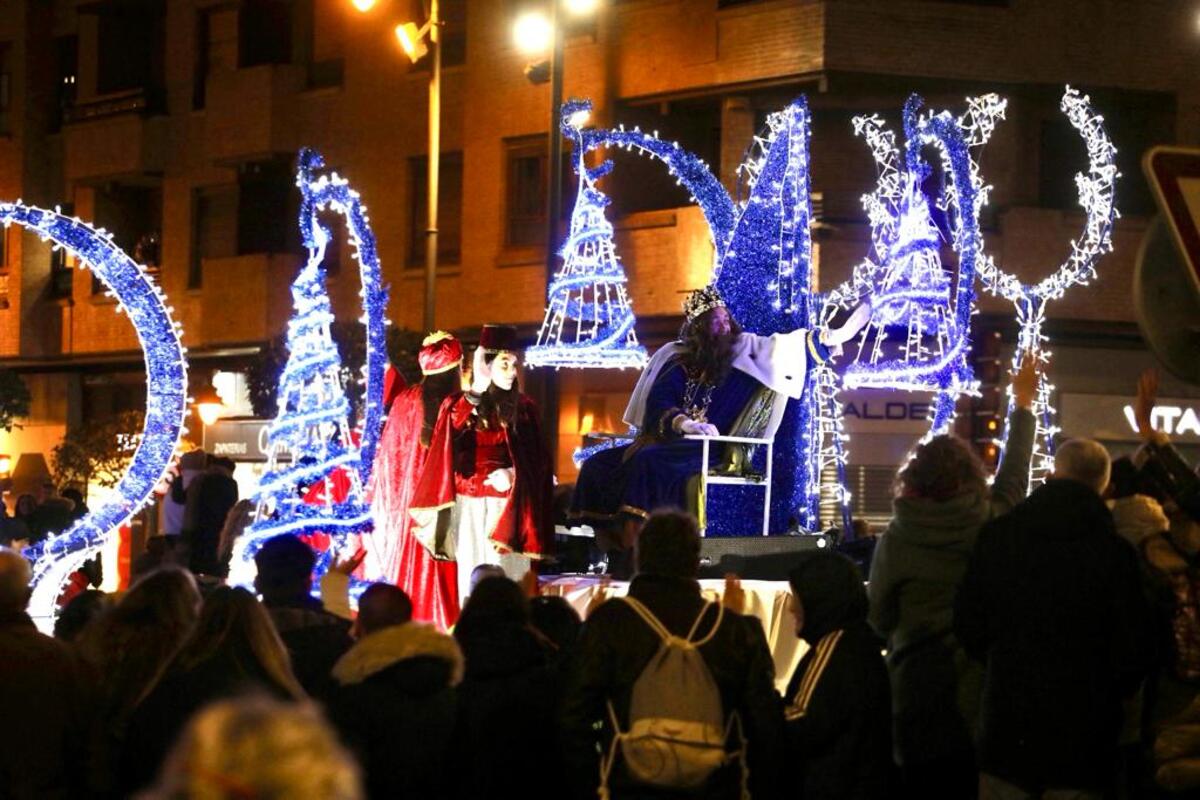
1096 192
137 295
589 288
689 171
904 246
313 425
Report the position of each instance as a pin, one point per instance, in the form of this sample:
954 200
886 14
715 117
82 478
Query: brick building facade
173 123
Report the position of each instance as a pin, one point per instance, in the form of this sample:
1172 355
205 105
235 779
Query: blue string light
312 427
166 396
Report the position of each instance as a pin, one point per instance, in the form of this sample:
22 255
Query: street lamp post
412 41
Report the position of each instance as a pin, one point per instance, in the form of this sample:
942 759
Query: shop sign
238 439
1110 417
865 411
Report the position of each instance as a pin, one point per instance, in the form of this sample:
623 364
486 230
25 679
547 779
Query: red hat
494 338
439 352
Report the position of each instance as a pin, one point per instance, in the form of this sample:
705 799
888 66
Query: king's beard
708 356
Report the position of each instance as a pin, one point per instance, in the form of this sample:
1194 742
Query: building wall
652 57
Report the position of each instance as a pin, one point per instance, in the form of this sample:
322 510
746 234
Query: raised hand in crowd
1143 404
1025 382
734 596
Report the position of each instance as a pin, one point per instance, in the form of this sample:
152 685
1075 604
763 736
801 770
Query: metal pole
435 146
553 213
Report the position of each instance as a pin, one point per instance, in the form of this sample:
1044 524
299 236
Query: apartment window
62 275
267 208
134 216
526 165
264 32
201 65
214 228
6 84
450 199
129 48
66 78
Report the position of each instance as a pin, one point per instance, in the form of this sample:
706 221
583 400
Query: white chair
761 417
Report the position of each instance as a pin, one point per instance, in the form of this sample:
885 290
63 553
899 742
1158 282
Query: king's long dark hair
705 356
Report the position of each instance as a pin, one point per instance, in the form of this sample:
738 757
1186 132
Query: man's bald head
1083 460
382 606
15 575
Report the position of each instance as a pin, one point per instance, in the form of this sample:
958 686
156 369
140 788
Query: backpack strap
665 634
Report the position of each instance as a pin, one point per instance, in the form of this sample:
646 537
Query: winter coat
160 718
48 703
919 562
1052 601
315 640
838 701
506 742
617 645
394 706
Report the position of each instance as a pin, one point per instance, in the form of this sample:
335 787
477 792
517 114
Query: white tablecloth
766 600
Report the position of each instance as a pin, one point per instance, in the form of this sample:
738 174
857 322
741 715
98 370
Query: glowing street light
581 7
533 33
363 5
209 405
412 40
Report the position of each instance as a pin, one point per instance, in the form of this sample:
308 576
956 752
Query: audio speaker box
762 558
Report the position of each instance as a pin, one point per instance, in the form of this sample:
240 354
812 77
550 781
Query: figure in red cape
485 494
393 555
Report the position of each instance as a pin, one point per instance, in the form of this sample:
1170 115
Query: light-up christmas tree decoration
1096 198
905 279
142 300
588 321
312 454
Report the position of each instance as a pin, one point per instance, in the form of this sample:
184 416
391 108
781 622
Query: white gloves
501 479
836 337
690 427
481 373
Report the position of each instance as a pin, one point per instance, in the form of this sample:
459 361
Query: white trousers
471 520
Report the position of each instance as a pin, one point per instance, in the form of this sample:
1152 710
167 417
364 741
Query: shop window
214 228
450 203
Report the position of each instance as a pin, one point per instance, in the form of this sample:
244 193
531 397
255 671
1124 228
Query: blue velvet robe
653 472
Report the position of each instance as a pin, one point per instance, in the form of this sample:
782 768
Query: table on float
766 600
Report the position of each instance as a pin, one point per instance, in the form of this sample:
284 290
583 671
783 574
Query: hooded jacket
917 567
1052 602
394 706
838 704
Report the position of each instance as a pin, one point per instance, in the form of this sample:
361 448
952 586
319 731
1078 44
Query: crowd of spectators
1007 645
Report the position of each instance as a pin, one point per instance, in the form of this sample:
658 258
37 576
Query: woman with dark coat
233 650
508 700
942 500
838 712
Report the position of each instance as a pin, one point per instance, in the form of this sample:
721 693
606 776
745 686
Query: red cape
526 525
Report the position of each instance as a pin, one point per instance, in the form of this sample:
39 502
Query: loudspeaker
762 558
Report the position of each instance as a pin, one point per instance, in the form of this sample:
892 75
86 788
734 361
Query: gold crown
435 337
702 300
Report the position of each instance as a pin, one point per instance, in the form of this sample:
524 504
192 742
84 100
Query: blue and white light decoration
905 278
312 427
771 249
588 322
137 295
1096 197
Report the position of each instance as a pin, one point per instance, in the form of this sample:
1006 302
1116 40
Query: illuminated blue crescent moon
166 397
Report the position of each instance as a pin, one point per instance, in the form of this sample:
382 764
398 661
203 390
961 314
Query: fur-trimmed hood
384 648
